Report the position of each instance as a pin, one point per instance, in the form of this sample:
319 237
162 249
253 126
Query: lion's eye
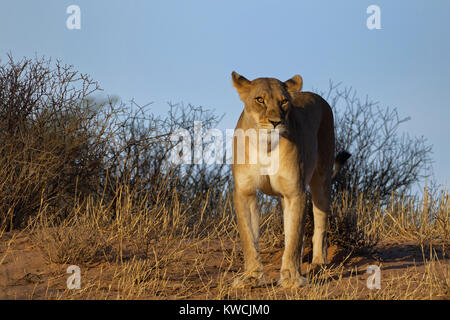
283 102
259 99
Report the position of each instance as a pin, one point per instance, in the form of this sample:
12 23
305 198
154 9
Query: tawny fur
306 156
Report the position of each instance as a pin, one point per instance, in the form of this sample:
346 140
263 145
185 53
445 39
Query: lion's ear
294 84
241 84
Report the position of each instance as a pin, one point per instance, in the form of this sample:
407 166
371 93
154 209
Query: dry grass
129 250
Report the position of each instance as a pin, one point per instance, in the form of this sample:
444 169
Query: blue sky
184 51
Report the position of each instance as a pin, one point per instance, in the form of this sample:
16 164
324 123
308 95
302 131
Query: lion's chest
274 173
264 184
275 185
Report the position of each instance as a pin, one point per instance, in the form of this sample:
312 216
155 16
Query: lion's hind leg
321 191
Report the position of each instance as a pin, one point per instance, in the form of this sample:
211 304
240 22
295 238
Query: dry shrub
384 160
60 143
71 245
350 223
80 238
49 143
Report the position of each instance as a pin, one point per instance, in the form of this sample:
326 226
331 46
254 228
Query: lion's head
267 100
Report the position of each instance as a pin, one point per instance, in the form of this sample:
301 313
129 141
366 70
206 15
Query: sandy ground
205 271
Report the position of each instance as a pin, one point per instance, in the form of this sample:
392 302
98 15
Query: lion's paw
293 283
248 281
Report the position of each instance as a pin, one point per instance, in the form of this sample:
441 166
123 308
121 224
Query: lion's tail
339 162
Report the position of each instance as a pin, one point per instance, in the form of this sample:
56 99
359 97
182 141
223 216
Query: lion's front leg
293 215
248 224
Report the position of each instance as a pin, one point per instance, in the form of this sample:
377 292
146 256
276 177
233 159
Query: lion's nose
274 123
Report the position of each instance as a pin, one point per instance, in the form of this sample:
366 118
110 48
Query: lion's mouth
281 127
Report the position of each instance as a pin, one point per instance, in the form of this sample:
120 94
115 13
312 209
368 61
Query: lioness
306 145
